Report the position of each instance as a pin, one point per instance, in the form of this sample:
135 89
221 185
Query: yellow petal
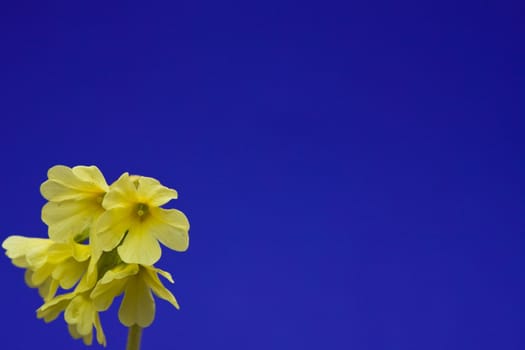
80 311
84 285
69 272
52 308
62 174
150 191
170 227
55 191
152 280
81 252
54 254
28 278
68 219
88 339
101 338
104 294
36 252
92 175
48 289
81 178
139 247
19 246
119 272
138 306
20 262
112 285
122 193
164 274
111 227
41 274
72 328
92 270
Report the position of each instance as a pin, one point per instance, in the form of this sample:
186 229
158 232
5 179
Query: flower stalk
134 337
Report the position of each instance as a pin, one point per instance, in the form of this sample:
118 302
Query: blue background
353 171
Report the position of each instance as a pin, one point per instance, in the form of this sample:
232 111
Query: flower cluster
103 242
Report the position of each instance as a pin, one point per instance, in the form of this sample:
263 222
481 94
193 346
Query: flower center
142 210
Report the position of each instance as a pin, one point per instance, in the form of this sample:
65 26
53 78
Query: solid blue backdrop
353 172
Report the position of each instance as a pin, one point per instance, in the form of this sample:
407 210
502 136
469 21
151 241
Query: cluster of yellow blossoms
103 242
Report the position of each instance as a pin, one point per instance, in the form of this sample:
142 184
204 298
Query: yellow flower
79 313
75 197
49 264
122 226
137 283
133 216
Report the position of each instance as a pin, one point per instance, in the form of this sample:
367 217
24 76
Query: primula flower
79 313
137 283
75 196
133 216
49 264
103 242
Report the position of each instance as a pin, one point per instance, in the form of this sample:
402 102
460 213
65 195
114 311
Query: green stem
134 334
